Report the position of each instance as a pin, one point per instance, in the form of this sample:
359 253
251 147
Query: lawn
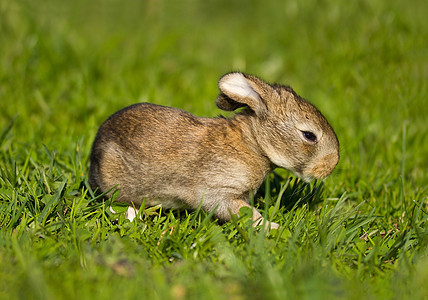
65 66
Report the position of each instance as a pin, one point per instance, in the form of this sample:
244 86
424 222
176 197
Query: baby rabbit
167 156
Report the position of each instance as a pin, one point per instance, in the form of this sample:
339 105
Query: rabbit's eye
309 136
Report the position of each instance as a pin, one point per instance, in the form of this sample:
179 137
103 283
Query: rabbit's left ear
240 90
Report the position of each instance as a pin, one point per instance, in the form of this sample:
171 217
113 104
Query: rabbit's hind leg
226 208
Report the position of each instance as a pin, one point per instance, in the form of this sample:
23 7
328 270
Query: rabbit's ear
240 90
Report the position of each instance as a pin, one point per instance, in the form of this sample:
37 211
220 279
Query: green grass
65 67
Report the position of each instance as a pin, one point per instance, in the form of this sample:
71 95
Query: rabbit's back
135 126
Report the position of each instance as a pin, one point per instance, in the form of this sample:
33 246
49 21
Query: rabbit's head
290 131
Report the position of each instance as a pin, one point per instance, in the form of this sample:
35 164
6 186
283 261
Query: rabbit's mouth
306 177
320 171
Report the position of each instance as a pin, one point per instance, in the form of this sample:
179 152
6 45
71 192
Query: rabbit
164 155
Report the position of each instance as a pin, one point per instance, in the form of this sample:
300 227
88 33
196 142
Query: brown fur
166 155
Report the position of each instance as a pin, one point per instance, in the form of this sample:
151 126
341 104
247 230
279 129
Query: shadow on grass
293 192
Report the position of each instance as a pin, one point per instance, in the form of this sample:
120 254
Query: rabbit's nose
325 166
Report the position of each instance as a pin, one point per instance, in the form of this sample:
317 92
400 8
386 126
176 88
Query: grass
65 67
